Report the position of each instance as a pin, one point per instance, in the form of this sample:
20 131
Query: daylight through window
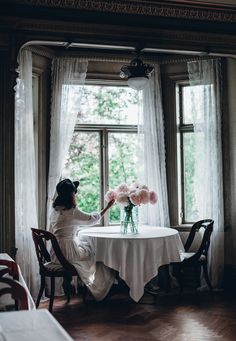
103 152
189 148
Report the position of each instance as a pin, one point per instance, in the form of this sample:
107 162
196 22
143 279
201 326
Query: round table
137 257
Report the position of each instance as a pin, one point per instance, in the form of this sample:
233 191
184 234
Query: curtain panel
152 161
66 73
205 78
25 174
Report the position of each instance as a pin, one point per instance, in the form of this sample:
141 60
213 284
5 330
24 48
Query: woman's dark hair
65 201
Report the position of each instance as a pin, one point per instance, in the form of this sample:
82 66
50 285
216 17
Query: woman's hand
107 207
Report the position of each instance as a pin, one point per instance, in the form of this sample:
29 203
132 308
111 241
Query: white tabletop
144 232
6 299
136 257
35 325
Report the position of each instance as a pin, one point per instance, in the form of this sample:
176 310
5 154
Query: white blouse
65 225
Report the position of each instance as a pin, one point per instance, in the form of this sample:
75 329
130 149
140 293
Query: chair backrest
16 290
206 224
12 268
40 237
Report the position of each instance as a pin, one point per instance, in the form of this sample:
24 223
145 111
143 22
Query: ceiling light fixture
137 72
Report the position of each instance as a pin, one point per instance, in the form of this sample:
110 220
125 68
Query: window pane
193 104
190 204
108 105
122 155
83 163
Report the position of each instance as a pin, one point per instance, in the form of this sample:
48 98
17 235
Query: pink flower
122 199
135 198
152 197
144 187
110 195
123 188
145 197
135 185
136 194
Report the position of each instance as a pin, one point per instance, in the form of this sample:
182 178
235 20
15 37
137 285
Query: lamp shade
137 83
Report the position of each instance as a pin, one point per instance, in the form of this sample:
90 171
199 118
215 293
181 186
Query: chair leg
42 287
84 293
68 287
165 275
197 270
179 276
52 293
83 290
205 272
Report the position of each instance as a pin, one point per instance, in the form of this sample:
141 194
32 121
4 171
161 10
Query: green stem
128 219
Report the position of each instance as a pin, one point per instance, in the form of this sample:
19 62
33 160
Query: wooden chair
198 259
47 268
11 269
17 292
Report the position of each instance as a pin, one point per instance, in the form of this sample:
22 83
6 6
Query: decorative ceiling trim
111 33
145 8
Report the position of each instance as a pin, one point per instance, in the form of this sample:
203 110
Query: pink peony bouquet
133 195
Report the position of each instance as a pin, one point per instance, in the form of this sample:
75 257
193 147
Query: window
187 140
103 149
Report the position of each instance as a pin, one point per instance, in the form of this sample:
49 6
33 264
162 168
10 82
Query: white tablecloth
6 299
35 325
136 257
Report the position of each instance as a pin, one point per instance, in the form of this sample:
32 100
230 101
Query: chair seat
52 267
187 255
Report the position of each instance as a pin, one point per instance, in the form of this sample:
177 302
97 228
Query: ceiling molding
194 10
115 35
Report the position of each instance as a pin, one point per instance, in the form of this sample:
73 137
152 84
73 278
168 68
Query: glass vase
129 219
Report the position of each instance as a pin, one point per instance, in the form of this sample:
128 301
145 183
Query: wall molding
110 34
170 9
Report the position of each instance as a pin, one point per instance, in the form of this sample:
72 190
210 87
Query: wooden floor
192 317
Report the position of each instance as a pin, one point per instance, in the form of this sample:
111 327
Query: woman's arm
92 218
107 207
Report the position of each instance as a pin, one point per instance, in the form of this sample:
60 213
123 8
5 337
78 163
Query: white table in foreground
136 257
6 299
34 325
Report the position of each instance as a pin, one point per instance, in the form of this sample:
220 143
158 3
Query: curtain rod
48 53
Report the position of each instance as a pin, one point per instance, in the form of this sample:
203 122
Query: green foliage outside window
103 105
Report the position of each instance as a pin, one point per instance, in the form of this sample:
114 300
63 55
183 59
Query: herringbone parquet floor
192 317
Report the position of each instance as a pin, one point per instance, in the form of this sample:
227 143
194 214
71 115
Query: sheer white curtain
67 75
204 75
152 163
25 174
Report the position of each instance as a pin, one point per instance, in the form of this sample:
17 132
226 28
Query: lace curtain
208 179
25 174
67 74
152 163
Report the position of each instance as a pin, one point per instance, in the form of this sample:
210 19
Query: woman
65 222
